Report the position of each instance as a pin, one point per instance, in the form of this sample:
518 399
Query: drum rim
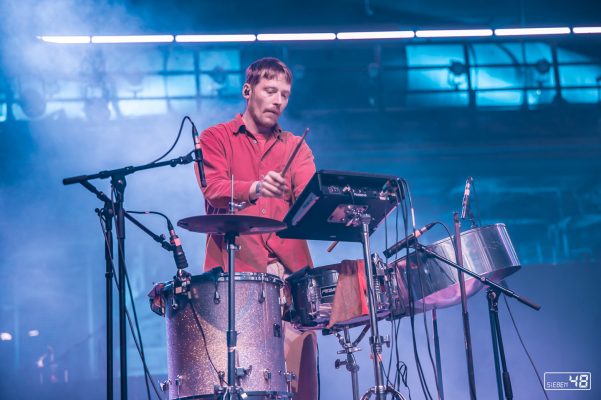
249 393
478 228
239 276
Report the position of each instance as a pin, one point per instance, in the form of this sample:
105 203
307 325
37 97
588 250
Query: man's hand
272 185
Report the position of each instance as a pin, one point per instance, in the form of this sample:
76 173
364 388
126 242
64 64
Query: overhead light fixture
214 38
264 37
440 33
133 39
66 39
532 31
376 35
33 333
6 337
587 29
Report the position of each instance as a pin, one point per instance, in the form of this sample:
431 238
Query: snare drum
197 322
313 294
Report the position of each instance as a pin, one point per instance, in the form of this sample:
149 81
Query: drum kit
225 336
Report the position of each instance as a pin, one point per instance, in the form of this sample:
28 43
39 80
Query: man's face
268 100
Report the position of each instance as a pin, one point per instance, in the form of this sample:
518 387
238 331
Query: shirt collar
239 127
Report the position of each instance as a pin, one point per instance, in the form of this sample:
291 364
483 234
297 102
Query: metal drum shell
487 251
260 336
313 294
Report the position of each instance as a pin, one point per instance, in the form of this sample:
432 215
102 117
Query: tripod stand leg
503 378
437 355
495 346
351 365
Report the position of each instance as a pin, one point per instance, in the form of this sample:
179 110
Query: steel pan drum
487 251
196 336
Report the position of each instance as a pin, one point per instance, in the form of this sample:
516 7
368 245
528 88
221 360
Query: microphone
178 252
408 241
466 197
198 156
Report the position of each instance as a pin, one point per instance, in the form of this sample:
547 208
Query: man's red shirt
228 149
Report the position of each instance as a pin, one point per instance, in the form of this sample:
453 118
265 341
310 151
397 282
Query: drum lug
242 372
277 330
267 374
221 375
262 292
289 376
216 297
165 385
282 300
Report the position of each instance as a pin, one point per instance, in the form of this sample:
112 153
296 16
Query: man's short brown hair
268 68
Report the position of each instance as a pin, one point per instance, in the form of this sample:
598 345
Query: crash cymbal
231 223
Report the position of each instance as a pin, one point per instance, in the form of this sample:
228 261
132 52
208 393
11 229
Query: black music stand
348 207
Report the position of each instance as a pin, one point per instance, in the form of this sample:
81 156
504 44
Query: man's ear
246 91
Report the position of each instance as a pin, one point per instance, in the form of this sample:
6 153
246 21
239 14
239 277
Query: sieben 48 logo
568 380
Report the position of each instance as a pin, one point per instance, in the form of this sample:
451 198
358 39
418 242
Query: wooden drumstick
296 149
331 246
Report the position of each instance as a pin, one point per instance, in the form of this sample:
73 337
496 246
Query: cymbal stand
233 390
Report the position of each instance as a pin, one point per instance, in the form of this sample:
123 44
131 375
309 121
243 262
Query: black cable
420 370
204 340
476 204
139 344
318 374
405 216
131 299
421 374
179 133
525 349
139 347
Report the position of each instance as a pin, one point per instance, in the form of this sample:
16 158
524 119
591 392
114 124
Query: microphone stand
464 312
493 293
119 183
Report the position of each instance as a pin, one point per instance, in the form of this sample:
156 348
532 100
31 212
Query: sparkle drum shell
196 336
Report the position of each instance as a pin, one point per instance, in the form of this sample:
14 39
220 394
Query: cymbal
231 223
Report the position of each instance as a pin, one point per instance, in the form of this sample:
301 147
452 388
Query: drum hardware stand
232 391
119 183
375 340
322 212
464 312
349 348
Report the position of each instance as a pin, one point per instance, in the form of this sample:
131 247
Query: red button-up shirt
228 149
